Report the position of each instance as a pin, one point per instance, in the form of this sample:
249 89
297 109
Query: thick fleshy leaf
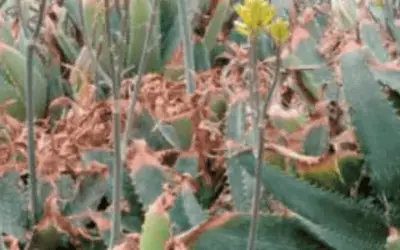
187 212
340 222
188 164
325 174
236 121
89 194
201 57
215 25
305 54
13 216
106 157
94 17
266 46
13 63
230 231
140 14
155 232
240 186
178 133
317 141
142 178
345 12
169 29
389 77
317 25
377 126
143 128
371 37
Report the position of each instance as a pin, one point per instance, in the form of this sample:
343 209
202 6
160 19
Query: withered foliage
88 125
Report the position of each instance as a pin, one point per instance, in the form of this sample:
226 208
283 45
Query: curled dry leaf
53 217
129 242
140 155
12 242
192 235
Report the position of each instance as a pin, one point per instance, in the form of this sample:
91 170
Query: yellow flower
379 3
256 15
279 30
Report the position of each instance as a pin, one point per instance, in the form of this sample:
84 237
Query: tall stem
260 123
184 22
138 79
117 170
30 110
254 86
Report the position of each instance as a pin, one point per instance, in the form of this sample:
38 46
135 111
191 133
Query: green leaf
317 141
231 231
130 220
155 233
345 12
13 63
90 191
236 121
65 187
241 188
48 238
5 33
317 26
377 126
188 165
266 47
305 54
201 57
215 25
371 37
341 223
219 106
13 216
235 36
106 157
2 245
169 29
140 14
187 212
69 47
325 174
143 128
377 13
350 169
94 17
395 245
142 178
184 130
72 10
54 89
7 93
389 77
178 133
290 124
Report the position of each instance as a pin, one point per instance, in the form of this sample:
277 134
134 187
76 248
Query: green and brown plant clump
199 124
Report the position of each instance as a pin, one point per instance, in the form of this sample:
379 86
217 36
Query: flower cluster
258 16
379 3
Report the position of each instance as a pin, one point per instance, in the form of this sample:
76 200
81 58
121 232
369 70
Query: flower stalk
116 115
259 16
30 119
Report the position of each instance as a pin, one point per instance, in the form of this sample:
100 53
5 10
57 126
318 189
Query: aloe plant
323 166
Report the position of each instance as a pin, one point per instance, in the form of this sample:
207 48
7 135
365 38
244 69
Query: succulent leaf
148 181
187 212
14 218
340 222
377 126
274 233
